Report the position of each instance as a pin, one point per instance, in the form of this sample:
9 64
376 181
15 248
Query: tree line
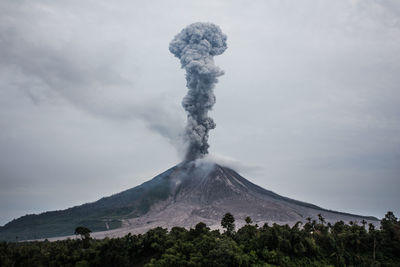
314 243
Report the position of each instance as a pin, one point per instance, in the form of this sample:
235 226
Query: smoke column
195 46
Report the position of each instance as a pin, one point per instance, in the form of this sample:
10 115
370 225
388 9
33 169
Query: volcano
184 195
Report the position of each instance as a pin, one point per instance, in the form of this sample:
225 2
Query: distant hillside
108 211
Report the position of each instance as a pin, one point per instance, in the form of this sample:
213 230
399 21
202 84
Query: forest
314 243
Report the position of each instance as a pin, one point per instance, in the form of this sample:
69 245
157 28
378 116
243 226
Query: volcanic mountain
181 196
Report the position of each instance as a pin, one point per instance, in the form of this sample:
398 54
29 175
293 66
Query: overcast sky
308 106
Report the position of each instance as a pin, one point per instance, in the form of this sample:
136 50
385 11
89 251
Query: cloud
232 163
49 67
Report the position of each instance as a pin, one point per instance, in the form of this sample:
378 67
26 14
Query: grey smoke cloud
195 46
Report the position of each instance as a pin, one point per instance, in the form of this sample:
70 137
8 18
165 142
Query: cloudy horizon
90 99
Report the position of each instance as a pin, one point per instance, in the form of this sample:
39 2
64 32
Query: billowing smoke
195 46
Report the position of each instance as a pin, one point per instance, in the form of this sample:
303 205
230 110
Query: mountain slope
101 215
181 196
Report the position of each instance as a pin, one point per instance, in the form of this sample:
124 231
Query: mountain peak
183 195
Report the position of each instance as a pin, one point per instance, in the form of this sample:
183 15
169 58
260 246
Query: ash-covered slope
207 191
181 196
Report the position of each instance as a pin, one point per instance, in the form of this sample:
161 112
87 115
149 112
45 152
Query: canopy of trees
316 243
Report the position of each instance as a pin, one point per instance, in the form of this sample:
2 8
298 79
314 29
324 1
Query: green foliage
85 235
315 244
228 222
83 232
248 220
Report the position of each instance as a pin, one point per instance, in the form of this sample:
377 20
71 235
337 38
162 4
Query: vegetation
228 223
316 243
85 235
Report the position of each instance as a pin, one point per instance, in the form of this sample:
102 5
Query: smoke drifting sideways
195 46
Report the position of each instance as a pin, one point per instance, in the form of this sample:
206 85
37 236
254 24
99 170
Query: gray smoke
195 46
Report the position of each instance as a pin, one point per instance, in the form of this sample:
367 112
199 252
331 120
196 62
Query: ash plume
195 46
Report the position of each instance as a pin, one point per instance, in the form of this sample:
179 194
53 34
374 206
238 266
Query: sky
90 99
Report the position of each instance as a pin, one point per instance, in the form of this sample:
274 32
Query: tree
83 232
228 222
248 220
199 229
390 233
321 218
276 245
389 220
85 235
